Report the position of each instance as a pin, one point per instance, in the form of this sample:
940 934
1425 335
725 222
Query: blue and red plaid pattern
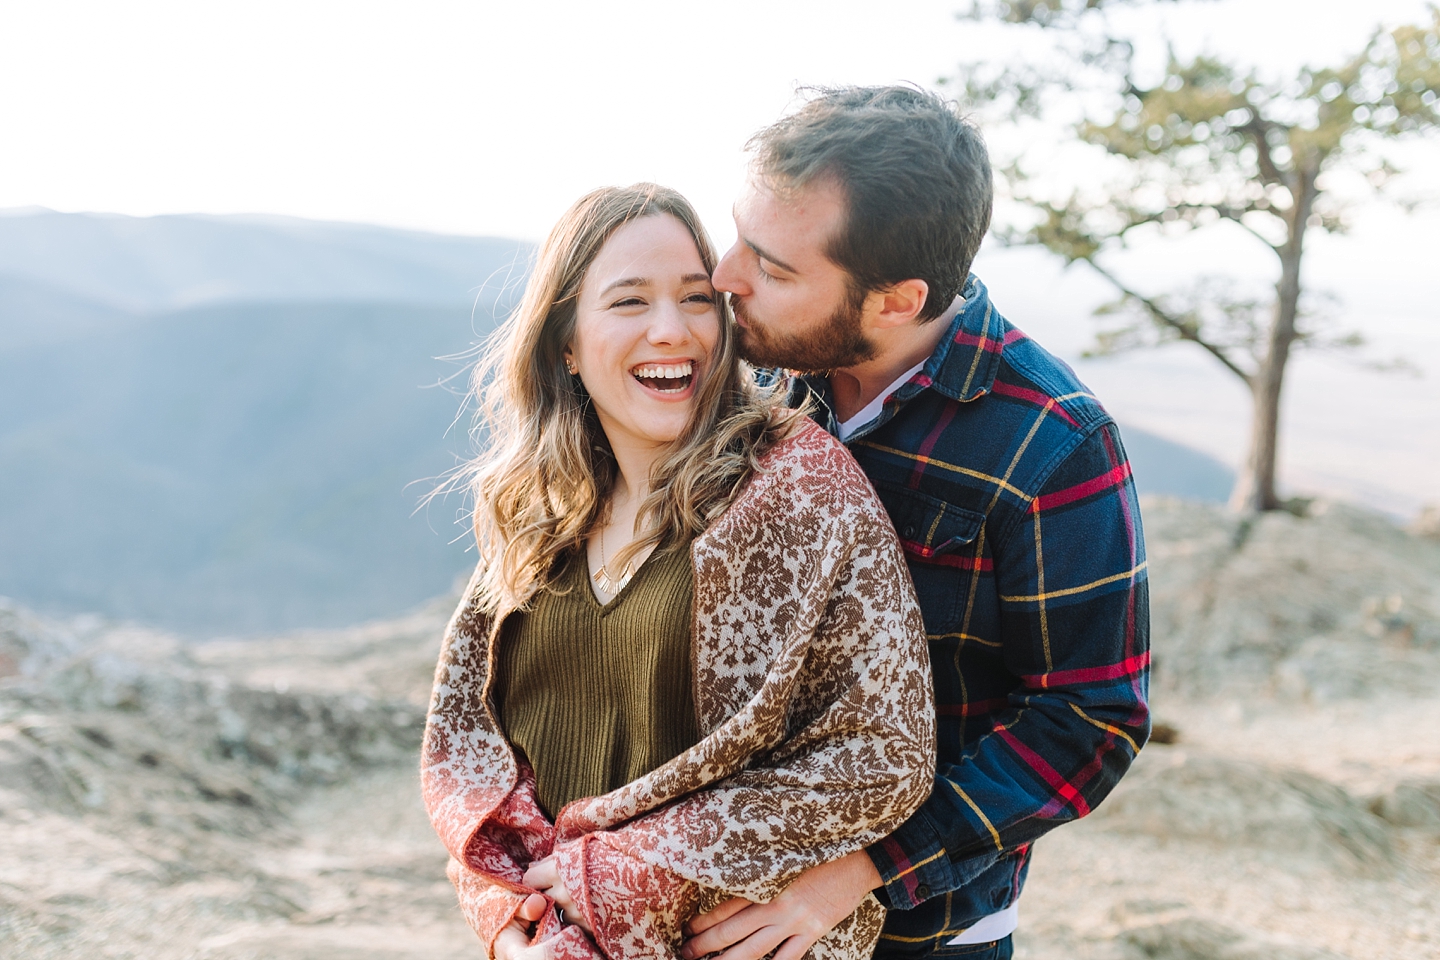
1012 496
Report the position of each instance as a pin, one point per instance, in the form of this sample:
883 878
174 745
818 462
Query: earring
570 367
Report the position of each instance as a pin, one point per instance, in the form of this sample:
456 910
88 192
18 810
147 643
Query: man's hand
808 909
542 875
514 938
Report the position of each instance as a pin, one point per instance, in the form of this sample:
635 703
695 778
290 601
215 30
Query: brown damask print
813 690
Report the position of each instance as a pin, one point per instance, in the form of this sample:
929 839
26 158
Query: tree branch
1234 215
1185 331
1258 130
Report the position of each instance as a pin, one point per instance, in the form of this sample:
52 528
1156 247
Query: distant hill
250 462
34 312
238 467
150 264
1169 469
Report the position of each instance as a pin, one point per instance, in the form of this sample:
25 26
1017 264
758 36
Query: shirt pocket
941 549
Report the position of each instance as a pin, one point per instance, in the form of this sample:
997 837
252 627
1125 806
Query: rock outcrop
260 799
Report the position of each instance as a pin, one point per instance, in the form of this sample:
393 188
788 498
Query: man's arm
1070 574
804 912
1074 609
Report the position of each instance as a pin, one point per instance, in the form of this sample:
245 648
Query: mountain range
225 425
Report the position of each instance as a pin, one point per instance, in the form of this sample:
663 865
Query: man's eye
767 275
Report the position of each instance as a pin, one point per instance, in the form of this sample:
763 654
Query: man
1007 484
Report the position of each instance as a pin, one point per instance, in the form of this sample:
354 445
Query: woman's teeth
665 377
670 371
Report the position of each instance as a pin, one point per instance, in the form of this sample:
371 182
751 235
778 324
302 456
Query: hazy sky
475 117
490 118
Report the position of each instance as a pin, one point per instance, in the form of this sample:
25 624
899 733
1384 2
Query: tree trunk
1255 488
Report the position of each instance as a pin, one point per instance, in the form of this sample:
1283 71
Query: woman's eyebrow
646 281
628 282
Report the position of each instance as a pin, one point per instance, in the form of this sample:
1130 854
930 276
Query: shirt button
922 892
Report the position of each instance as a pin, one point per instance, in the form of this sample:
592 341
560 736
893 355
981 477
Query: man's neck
856 386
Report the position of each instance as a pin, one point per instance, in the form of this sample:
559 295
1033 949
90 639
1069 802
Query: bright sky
474 117
489 118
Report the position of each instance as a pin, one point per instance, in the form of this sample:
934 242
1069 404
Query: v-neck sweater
596 696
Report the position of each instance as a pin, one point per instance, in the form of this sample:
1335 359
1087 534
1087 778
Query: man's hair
916 177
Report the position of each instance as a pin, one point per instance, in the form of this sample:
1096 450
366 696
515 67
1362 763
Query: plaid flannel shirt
1012 496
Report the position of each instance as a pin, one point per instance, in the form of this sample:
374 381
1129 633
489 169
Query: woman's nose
669 325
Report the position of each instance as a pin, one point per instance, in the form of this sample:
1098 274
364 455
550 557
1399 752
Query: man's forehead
797 217
822 191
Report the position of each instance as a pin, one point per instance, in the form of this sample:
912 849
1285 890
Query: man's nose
726 277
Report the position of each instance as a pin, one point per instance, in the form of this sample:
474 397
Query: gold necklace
603 579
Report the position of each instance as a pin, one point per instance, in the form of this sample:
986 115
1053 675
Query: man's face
795 307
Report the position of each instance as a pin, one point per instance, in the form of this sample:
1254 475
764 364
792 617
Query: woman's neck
632 485
624 507
617 527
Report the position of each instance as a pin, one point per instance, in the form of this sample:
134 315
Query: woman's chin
664 432
649 428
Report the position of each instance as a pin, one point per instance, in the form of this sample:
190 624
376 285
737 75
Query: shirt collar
965 363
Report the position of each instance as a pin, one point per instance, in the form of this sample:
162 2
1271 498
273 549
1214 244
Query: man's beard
838 342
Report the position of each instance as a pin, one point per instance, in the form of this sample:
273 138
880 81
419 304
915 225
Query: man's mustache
737 307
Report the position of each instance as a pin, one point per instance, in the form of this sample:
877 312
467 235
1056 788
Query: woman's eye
628 302
700 298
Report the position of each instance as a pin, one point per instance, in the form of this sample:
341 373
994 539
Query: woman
689 665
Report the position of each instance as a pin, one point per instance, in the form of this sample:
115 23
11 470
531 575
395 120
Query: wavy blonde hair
544 478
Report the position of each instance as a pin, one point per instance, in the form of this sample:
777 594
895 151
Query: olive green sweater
597 696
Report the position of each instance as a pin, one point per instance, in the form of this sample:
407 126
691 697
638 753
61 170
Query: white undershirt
994 927
872 409
1002 923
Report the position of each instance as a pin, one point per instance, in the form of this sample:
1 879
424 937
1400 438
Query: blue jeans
1002 949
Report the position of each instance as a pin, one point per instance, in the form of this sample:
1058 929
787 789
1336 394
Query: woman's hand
514 938
542 875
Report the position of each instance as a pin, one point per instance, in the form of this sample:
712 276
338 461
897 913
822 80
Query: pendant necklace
607 583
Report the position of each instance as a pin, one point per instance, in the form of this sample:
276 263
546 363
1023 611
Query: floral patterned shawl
814 699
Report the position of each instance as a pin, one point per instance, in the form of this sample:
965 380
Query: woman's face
646 326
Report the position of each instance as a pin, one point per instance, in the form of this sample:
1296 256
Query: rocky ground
227 800
258 799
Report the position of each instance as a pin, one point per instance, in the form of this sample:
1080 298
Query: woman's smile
669 379
646 324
